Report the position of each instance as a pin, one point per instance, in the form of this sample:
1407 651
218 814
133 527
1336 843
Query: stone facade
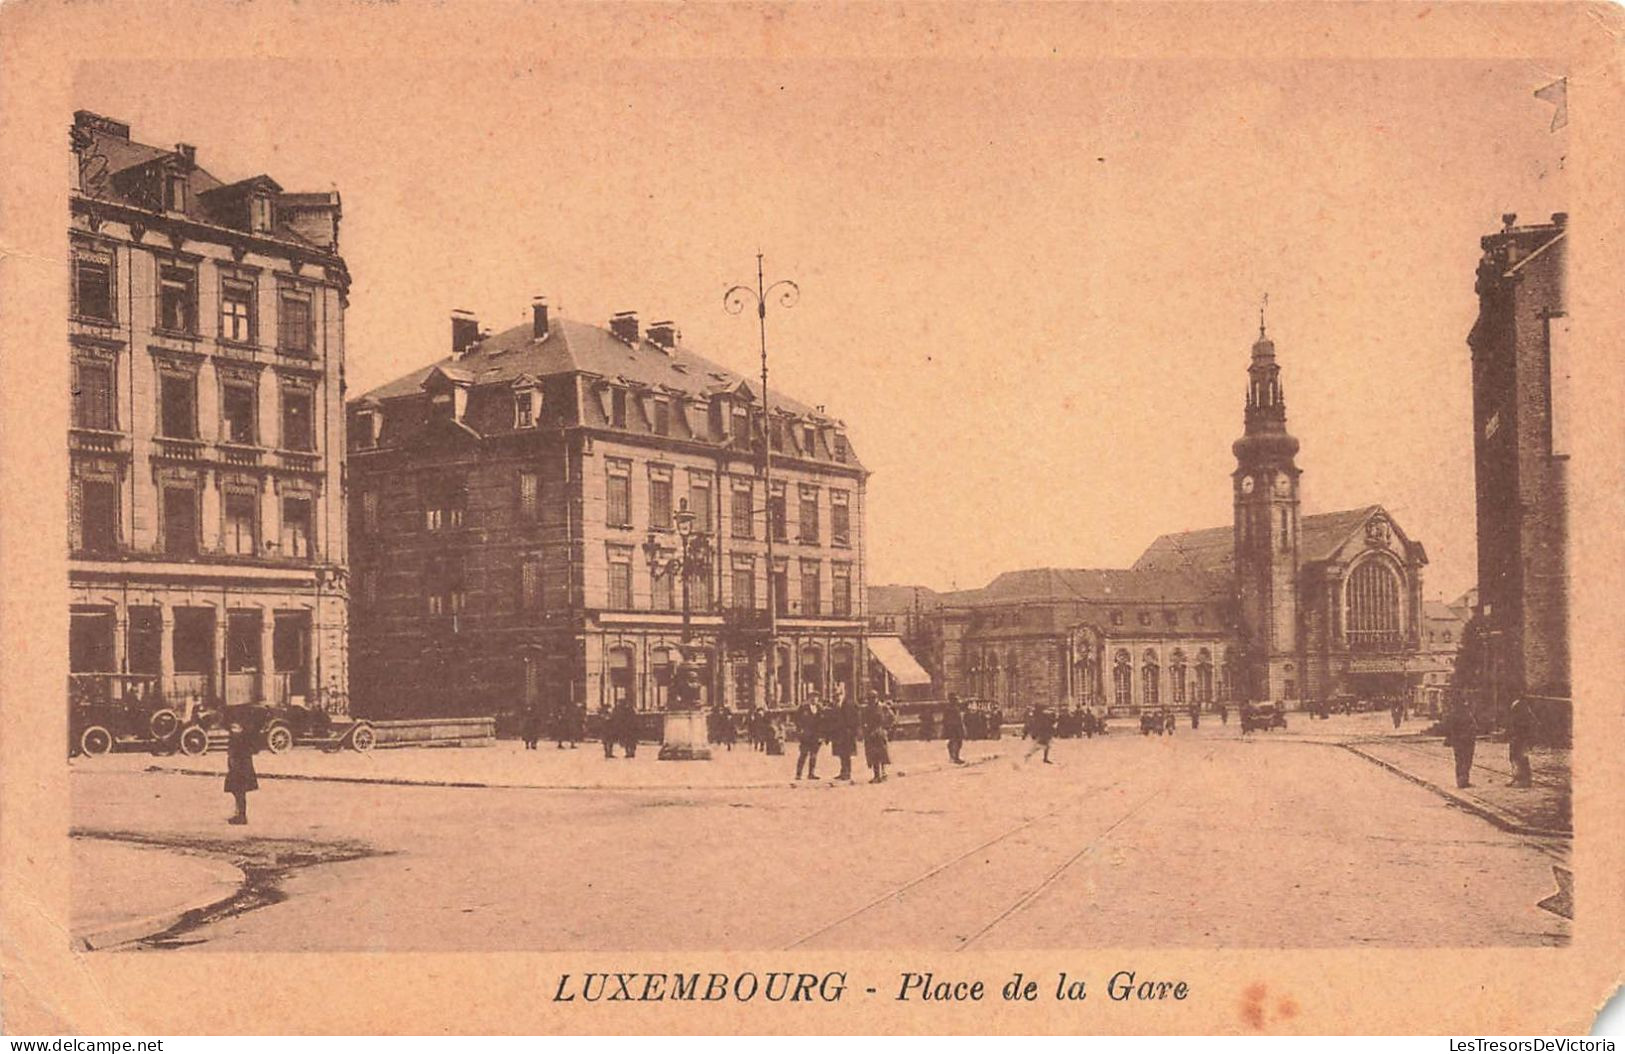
1521 424
507 502
207 531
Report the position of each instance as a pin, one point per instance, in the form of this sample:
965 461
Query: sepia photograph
650 499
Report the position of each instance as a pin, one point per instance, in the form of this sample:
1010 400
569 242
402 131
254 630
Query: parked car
1264 716
111 710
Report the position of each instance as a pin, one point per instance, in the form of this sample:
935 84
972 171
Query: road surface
1195 841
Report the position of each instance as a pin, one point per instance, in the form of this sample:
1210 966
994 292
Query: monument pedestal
685 737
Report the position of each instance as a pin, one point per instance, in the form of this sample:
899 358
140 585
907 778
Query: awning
890 653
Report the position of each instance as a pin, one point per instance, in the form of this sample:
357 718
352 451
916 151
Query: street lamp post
735 301
684 735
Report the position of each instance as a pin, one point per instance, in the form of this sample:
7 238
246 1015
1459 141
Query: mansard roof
577 347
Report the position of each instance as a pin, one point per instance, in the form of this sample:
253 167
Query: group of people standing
842 724
1461 731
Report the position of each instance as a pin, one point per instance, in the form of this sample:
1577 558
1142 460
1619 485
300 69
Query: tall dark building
1266 531
1520 451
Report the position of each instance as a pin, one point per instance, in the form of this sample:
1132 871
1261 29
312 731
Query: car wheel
362 738
163 723
279 738
194 741
95 741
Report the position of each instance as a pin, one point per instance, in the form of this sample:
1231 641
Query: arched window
1227 677
1150 680
1010 690
621 670
1204 676
662 660
1176 677
812 670
1122 680
1373 605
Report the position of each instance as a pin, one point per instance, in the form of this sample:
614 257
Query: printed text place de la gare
799 987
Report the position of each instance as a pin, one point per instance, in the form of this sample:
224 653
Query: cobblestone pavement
1198 840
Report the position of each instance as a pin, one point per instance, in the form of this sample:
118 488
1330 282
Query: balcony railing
99 441
1375 640
179 449
299 460
239 454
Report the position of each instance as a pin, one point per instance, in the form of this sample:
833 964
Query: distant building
206 528
506 500
1522 419
1274 606
1443 627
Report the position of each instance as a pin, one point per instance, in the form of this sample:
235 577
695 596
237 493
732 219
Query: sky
1029 288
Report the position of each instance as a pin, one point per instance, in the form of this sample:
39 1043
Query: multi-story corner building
1521 424
1273 606
206 520
514 518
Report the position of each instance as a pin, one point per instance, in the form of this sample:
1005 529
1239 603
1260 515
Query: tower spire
1262 305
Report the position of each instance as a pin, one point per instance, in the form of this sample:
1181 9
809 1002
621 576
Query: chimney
465 331
624 324
188 153
1508 219
663 335
538 317
1560 219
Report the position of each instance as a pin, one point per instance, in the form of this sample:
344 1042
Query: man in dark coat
626 727
1461 735
809 736
1196 715
844 738
240 775
1520 736
530 725
1041 725
608 734
953 727
1398 712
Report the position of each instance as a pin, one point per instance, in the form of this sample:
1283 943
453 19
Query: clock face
1246 484
1282 484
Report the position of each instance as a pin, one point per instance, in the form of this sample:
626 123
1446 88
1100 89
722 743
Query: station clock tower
1266 536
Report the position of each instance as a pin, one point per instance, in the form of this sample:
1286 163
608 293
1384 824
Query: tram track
1049 878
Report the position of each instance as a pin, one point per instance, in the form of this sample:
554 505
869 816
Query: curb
223 891
1499 817
397 781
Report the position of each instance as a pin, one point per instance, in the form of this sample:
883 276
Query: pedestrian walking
876 737
626 727
809 731
1196 716
1224 714
846 727
722 727
606 729
1041 727
240 775
953 728
1520 737
1398 712
1461 735
530 725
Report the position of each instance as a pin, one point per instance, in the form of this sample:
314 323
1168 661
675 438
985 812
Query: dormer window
617 408
367 425
175 192
444 405
840 447
259 214
741 424
524 408
662 418
809 441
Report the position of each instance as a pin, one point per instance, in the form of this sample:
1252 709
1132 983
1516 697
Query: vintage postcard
810 518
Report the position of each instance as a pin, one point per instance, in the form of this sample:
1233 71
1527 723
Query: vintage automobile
110 710
281 727
1159 721
1264 716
